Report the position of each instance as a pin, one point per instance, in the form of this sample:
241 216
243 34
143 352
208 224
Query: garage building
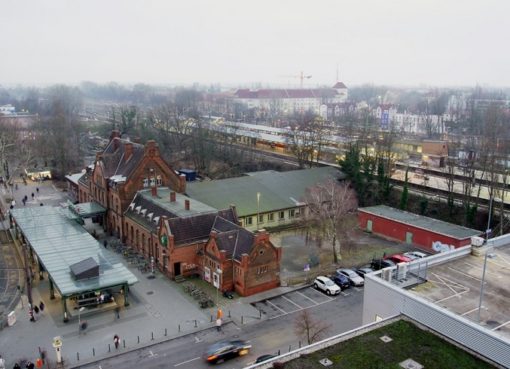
428 233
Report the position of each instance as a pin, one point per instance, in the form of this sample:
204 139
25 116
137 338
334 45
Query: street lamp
79 318
487 255
218 284
258 209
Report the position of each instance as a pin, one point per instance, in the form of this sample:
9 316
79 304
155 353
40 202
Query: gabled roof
233 239
114 158
74 178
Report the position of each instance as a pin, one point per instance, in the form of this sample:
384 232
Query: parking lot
456 286
298 300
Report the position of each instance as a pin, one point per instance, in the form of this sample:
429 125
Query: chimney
214 234
154 191
172 196
186 204
128 150
182 182
115 134
260 236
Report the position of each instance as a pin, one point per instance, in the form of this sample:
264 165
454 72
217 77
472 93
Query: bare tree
328 204
309 328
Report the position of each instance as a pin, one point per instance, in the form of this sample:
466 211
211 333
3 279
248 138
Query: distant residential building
289 101
434 153
7 110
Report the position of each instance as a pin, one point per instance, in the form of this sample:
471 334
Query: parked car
341 281
354 278
413 255
398 258
263 358
381 264
362 271
326 285
224 350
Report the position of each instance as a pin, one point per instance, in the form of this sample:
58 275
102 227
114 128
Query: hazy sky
409 42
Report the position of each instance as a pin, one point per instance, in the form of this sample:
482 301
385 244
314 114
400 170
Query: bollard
299 344
260 314
138 339
109 348
242 319
195 323
165 332
93 351
78 356
179 327
124 343
278 352
152 336
229 313
290 348
211 318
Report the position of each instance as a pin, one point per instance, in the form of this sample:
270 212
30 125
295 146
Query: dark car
224 350
341 281
381 264
362 271
263 358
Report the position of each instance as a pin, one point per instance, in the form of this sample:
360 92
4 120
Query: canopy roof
87 209
60 242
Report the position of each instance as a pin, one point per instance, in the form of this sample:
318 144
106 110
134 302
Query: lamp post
258 209
218 284
487 255
79 318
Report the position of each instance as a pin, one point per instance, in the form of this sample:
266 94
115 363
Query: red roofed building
292 100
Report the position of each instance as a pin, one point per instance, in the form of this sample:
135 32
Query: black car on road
223 350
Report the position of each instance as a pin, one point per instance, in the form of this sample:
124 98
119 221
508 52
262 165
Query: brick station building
145 207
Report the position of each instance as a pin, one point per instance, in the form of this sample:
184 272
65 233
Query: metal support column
52 290
64 305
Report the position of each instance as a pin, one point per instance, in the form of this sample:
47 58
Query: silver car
354 278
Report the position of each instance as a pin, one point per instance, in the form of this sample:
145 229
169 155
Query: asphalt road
343 313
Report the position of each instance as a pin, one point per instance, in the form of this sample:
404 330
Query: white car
415 255
354 278
326 285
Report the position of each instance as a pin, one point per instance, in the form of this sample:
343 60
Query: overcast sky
401 42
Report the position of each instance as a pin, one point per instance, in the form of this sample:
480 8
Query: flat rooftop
59 242
456 286
419 221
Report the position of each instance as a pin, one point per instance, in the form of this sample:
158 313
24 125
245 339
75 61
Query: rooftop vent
85 269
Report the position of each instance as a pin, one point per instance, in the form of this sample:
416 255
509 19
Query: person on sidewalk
116 341
2 362
218 324
41 306
117 312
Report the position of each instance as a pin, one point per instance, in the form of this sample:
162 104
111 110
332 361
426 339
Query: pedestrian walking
117 312
105 244
2 362
37 189
33 195
41 306
16 366
36 309
116 341
218 324
30 365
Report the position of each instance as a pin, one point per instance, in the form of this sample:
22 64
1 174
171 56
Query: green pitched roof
278 190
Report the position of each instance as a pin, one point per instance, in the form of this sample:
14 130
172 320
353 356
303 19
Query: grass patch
368 351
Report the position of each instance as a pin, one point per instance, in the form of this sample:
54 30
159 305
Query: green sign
164 240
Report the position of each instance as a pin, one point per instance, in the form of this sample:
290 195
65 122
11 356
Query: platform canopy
87 209
60 242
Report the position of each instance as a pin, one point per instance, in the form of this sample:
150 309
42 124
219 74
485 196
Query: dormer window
143 212
156 220
138 209
131 206
149 216
145 182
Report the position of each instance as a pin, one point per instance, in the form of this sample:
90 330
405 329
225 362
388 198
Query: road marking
467 275
501 325
197 340
187 361
344 294
305 308
469 311
306 297
458 294
358 289
292 302
270 303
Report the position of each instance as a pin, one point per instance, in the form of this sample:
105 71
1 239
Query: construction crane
301 77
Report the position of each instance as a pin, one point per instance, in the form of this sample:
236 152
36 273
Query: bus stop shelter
58 244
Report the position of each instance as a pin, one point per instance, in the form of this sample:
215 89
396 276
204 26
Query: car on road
263 358
381 264
354 278
362 271
413 255
341 281
326 285
223 350
398 258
